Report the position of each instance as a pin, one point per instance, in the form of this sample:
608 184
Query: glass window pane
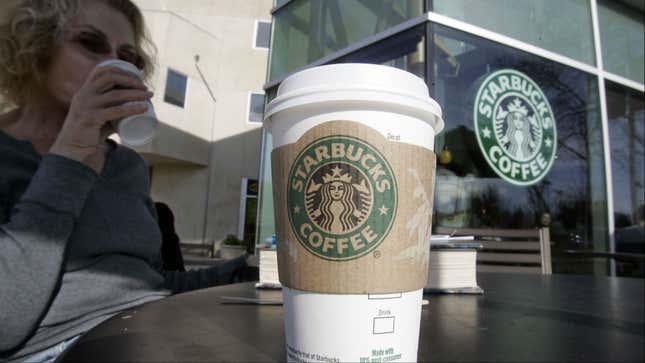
266 222
560 26
469 193
175 88
271 93
280 2
263 34
405 51
256 107
626 118
622 39
306 30
252 188
249 220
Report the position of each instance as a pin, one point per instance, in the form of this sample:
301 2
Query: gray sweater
77 247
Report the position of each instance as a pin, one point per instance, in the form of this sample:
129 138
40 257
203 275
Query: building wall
202 151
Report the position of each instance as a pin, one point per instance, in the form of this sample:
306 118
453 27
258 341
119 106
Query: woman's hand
108 93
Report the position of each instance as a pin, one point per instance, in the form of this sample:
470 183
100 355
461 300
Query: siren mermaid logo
333 202
342 198
515 127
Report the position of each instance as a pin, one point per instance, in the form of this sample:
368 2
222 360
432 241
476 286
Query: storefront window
562 26
622 38
470 193
307 30
626 113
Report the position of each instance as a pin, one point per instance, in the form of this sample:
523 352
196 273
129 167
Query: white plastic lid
357 82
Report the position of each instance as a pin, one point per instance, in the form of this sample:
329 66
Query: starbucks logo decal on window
515 127
342 198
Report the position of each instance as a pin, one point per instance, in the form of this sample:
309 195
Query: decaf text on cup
342 197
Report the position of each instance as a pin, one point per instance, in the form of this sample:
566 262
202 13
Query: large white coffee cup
349 326
139 129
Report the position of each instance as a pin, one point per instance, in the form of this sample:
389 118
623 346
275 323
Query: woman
79 240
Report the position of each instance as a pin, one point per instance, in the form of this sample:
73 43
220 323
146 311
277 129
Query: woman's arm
33 239
219 274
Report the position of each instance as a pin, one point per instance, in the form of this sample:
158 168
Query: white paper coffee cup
393 107
351 328
139 129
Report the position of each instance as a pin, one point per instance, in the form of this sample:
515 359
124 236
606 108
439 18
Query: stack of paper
268 269
453 265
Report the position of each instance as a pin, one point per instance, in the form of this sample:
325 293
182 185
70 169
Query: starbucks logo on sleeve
515 127
342 198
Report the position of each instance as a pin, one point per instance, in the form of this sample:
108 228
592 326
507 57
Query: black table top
519 318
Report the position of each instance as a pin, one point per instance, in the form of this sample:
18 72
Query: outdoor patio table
519 318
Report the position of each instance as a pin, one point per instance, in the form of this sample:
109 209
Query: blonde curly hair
31 29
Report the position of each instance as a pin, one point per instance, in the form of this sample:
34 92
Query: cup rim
347 91
124 65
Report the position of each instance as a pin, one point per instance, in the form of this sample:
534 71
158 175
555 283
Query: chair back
508 250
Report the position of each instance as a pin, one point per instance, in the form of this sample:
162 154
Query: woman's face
336 189
96 34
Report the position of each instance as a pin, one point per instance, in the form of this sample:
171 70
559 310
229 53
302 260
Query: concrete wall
203 150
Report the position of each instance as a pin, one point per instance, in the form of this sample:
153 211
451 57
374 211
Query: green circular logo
342 198
515 127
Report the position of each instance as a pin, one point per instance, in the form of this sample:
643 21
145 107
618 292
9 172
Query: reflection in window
560 26
266 218
306 30
622 36
626 114
256 107
175 88
470 194
280 2
405 51
248 210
